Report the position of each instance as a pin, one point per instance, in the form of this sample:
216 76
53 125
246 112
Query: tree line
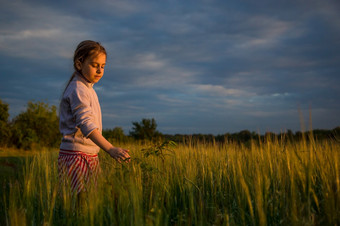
246 137
38 127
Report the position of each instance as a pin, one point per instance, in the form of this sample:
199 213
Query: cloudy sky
195 66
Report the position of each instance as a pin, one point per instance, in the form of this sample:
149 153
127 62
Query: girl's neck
81 75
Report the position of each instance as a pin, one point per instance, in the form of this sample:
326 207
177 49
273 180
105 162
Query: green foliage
145 130
116 134
5 130
3 111
38 125
159 150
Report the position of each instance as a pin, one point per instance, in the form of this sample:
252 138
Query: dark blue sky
194 66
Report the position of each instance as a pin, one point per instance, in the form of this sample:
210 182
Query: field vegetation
272 182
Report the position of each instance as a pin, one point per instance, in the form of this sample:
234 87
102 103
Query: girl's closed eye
97 65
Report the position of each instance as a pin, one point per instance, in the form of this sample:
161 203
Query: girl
81 121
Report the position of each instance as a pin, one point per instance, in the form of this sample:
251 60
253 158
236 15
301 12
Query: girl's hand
119 154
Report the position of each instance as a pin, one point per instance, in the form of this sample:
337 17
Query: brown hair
84 50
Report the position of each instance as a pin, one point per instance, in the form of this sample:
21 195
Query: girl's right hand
119 154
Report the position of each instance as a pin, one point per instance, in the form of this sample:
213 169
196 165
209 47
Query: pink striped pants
77 170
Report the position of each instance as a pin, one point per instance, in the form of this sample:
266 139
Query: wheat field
273 182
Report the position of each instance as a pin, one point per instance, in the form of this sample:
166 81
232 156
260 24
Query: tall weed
269 183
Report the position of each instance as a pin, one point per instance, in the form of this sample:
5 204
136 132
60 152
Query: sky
207 66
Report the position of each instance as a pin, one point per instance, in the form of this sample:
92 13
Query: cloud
194 66
150 70
218 90
38 31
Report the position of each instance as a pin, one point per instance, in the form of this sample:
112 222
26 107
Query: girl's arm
117 153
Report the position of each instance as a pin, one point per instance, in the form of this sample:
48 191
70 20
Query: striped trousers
77 170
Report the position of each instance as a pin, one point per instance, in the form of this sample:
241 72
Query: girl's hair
84 50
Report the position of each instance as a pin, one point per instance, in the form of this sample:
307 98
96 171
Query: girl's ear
78 65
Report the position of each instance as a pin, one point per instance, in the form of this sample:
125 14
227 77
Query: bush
37 126
5 129
116 134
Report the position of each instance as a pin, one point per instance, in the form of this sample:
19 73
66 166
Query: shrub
38 125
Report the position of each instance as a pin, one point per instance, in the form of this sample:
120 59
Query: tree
244 135
38 125
145 130
5 129
117 133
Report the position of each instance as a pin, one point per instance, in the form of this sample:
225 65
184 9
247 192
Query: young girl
81 121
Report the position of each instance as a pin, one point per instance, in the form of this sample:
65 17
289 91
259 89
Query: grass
269 183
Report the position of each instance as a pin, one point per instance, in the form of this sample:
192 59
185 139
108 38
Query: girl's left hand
119 154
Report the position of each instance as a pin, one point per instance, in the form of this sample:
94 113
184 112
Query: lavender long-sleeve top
79 115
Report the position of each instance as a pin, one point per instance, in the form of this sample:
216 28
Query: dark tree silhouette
5 129
145 130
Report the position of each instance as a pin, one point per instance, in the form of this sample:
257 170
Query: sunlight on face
93 67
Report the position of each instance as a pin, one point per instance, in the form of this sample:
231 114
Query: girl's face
93 67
